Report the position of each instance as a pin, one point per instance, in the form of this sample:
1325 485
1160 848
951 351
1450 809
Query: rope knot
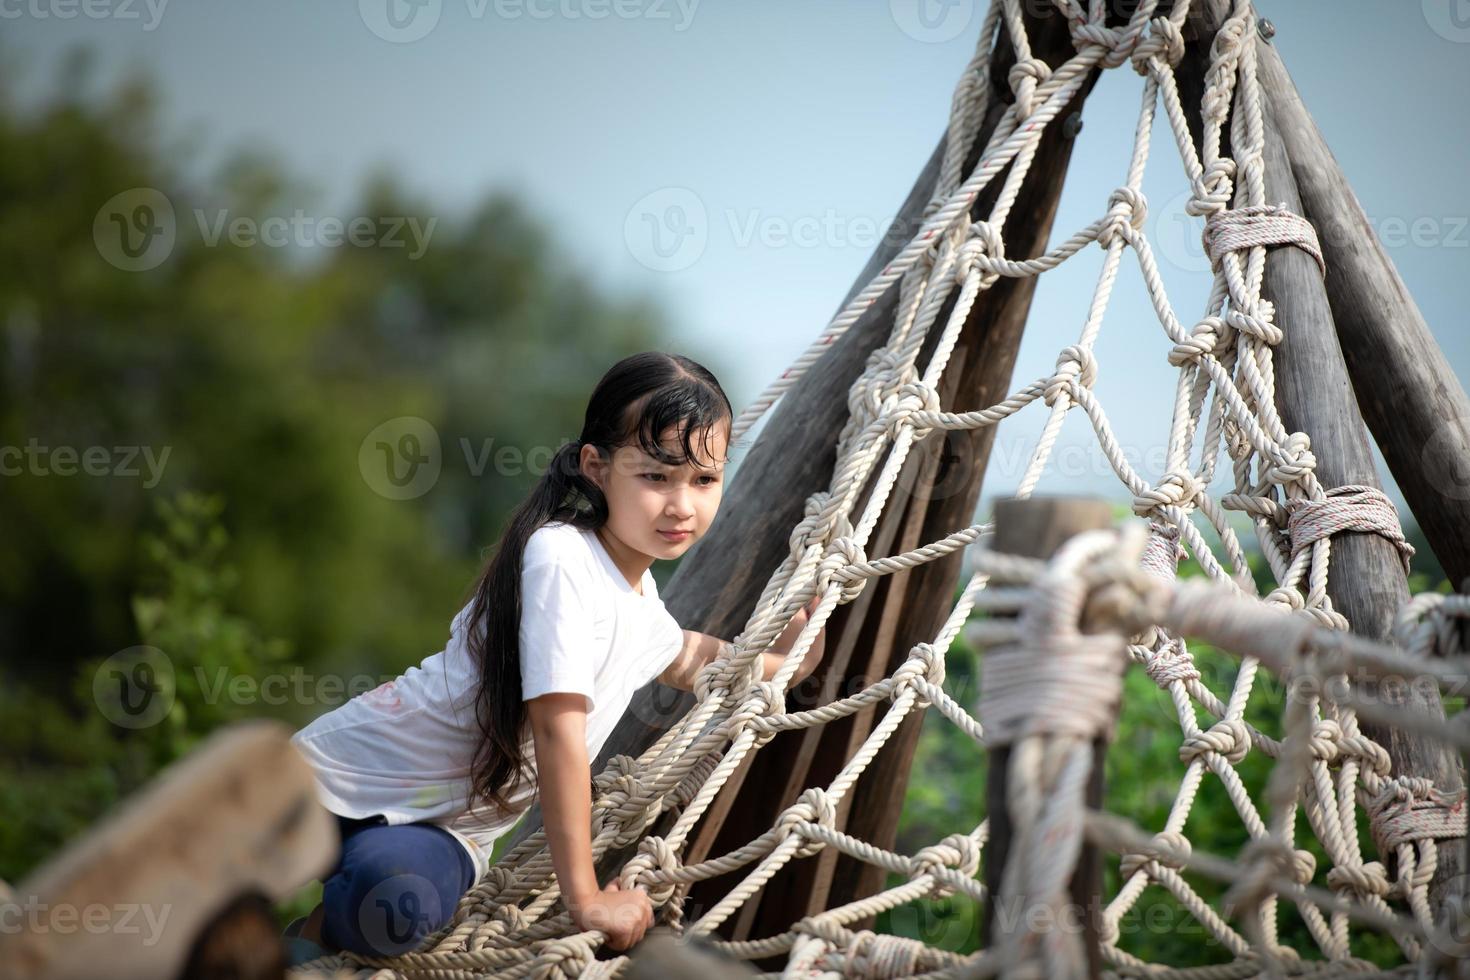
984 240
842 554
654 853
764 699
1212 336
1025 75
1168 849
1257 322
1164 40
923 661
1126 207
1174 489
1213 189
1229 738
957 851
1367 752
1076 366
563 958
812 806
912 398
1326 735
1293 460
1364 880
1173 662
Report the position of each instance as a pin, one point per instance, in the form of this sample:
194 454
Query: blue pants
392 886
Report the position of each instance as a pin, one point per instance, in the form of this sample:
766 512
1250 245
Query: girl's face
648 501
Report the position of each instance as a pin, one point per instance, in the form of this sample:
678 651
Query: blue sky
790 131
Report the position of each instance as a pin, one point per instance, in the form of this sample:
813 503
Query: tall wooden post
1412 401
1037 528
1366 580
910 607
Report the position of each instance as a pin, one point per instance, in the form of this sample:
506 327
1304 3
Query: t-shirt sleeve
556 636
667 639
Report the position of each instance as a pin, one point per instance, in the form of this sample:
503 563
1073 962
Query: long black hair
639 399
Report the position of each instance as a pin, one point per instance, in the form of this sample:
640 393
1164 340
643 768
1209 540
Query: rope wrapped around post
1048 697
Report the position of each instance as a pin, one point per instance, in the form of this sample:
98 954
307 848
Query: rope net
1049 688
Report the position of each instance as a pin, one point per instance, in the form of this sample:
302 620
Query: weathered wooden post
1366 579
193 861
1413 403
1036 528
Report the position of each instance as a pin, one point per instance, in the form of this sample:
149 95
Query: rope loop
1325 740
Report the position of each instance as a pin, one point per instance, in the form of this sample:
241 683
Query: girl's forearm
566 801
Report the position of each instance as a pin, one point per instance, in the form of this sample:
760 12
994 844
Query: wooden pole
1417 409
909 607
1037 527
1366 575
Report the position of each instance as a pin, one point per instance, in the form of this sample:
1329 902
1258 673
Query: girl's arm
559 730
700 649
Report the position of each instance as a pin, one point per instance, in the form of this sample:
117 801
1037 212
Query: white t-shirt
404 748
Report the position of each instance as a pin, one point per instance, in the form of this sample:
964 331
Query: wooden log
237 817
1367 582
1408 395
1037 527
909 607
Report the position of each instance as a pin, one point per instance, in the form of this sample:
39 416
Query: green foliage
256 544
